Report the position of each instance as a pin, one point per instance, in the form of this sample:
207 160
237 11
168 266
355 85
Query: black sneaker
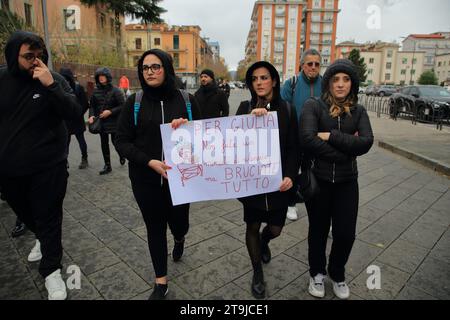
258 285
159 292
178 250
266 255
106 169
18 230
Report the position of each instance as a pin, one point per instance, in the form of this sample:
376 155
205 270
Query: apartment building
433 44
442 68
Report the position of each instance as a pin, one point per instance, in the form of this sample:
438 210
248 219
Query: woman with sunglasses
334 130
264 83
139 140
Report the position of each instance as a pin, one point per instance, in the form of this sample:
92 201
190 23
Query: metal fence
382 106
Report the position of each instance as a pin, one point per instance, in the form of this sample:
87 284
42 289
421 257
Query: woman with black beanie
334 130
139 140
263 81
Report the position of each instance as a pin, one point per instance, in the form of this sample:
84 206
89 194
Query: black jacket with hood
351 136
142 143
288 130
213 101
106 97
78 125
33 135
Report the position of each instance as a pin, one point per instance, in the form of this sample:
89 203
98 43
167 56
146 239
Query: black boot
258 285
178 250
266 255
106 169
84 163
159 292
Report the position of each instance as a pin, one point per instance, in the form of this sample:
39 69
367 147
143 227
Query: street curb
423 160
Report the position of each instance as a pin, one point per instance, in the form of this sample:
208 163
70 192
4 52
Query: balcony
171 49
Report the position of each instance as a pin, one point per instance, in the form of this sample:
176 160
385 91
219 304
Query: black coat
213 102
288 130
142 143
78 125
335 160
107 98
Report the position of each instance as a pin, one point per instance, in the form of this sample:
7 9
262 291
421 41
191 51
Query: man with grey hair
298 89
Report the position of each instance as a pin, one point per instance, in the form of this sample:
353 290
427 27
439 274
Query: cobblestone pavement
403 228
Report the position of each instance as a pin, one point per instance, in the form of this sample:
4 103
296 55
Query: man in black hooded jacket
213 101
33 175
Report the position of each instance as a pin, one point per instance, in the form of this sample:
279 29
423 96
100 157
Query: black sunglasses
310 64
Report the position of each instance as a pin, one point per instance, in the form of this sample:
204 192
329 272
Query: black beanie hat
345 66
208 72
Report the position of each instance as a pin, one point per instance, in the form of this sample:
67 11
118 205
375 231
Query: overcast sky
229 21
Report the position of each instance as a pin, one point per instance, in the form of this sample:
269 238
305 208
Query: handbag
308 186
96 126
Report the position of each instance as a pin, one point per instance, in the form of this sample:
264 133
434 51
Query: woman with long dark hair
263 81
334 131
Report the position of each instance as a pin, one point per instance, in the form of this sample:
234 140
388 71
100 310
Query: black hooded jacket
33 135
288 130
78 125
142 143
213 101
106 97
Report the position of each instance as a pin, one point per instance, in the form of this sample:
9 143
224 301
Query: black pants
157 210
82 143
37 200
104 139
336 204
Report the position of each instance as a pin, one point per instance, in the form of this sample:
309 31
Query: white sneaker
292 213
341 290
35 253
317 286
55 286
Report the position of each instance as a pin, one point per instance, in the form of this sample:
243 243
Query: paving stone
77 240
433 277
361 256
411 293
441 250
96 260
424 234
212 228
403 255
298 229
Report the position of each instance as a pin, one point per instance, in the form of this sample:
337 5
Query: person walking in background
334 131
139 140
77 127
264 83
296 90
213 102
106 102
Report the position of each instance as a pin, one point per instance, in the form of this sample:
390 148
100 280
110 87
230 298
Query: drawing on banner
190 172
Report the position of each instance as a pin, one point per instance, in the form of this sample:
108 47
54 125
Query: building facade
432 44
282 29
442 69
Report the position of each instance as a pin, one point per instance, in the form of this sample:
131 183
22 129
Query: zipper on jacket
334 171
267 204
334 163
162 150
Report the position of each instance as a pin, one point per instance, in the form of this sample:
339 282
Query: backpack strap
294 80
137 105
187 101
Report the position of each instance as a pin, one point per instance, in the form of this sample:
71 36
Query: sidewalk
403 228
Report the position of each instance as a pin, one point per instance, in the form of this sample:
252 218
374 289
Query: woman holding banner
139 140
334 130
263 81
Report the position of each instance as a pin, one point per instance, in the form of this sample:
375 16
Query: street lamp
46 38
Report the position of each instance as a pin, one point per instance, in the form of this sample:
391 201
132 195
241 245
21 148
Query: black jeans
336 204
82 143
37 200
104 139
157 210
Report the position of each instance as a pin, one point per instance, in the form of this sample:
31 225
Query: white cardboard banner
223 158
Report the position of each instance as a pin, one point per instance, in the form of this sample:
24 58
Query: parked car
428 101
362 89
386 90
370 90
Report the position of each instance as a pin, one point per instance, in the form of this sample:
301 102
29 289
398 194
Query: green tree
10 22
428 77
355 57
147 11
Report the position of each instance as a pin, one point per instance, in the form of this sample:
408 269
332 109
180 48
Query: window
157 41
176 42
388 65
371 60
370 71
5 4
389 53
404 60
28 9
413 71
138 43
329 4
279 22
176 60
387 76
414 61
69 19
439 64
403 72
316 3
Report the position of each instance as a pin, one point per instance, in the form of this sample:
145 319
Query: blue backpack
138 99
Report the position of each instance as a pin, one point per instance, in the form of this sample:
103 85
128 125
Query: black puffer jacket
106 97
213 101
334 160
288 130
